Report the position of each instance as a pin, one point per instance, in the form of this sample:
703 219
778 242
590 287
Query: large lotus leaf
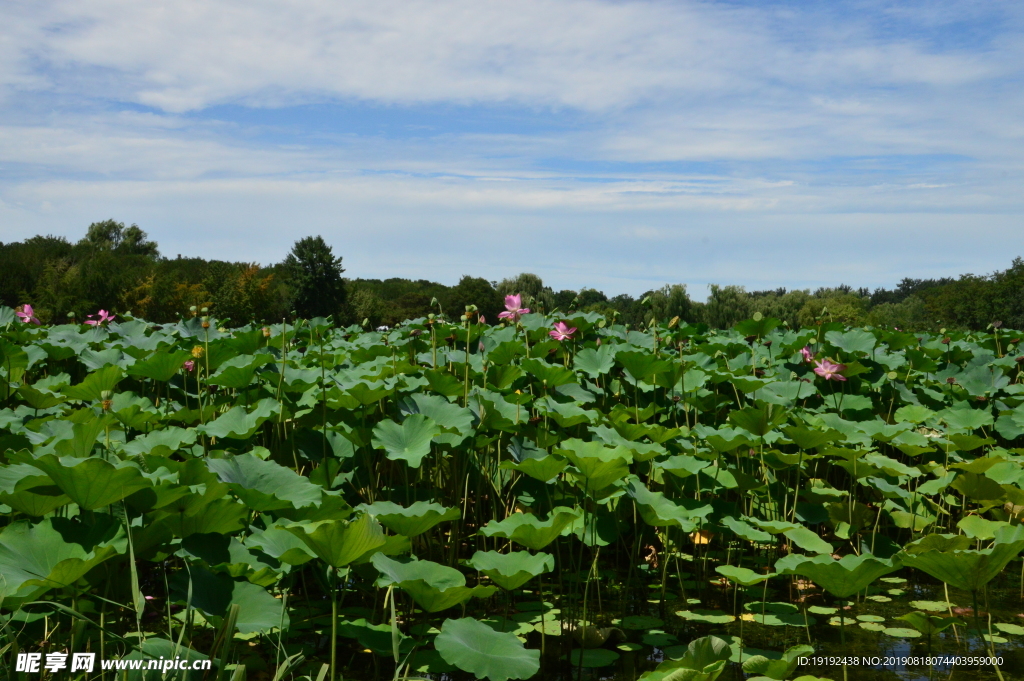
809 438
340 542
808 540
758 420
213 594
929 624
511 570
449 416
745 530
703 660
434 587
544 468
160 366
92 483
238 372
944 557
26 489
96 383
593 362
841 578
966 419
642 366
163 442
658 511
408 441
477 648
40 399
854 340
265 485
238 423
530 531
279 543
741 575
53 554
203 514
223 553
551 375
778 669
598 465
683 465
377 637
411 520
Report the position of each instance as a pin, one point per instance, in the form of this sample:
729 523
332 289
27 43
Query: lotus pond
554 497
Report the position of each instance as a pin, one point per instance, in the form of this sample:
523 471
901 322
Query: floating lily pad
709 616
995 638
900 632
893 580
629 647
879 599
896 592
932 606
822 610
1014 629
870 618
871 626
659 639
640 622
593 657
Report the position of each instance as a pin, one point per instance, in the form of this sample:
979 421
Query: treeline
119 268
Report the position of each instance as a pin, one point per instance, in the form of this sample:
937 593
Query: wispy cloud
650 141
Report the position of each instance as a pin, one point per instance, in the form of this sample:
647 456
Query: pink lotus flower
102 317
483 320
562 331
189 365
513 308
829 370
806 352
27 314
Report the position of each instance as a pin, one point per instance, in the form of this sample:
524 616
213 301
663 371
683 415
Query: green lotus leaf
593 362
53 554
237 372
213 594
530 531
408 441
511 570
543 468
658 511
808 540
226 554
929 624
94 482
778 669
742 576
758 420
279 543
709 616
746 531
841 578
161 365
380 638
596 464
265 485
411 520
487 654
456 421
238 423
703 660
590 658
946 558
96 383
434 587
976 527
340 542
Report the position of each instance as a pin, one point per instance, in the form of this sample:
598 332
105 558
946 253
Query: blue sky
619 145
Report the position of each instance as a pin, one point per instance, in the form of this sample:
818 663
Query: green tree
317 286
474 291
110 235
536 295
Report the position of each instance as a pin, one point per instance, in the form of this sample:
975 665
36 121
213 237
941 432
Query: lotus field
553 497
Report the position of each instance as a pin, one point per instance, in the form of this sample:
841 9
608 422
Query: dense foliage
541 497
117 268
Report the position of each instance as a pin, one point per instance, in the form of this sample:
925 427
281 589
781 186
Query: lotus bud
483 320
206 324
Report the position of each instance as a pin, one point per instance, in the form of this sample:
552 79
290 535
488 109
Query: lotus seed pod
266 332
